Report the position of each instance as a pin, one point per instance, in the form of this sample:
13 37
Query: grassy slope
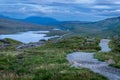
110 55
103 28
44 63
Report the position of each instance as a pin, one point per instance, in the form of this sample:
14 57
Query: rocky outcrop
110 61
4 41
31 45
4 45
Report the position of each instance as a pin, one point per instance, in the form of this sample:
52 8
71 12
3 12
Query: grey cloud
62 9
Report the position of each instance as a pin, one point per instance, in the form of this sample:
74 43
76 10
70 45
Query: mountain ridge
107 26
40 20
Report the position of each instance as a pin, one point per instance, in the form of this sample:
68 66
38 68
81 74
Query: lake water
26 37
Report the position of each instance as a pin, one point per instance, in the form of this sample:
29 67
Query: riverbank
112 57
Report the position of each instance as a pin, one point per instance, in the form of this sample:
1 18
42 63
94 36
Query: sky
64 10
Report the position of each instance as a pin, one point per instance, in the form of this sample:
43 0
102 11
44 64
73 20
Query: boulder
4 45
110 61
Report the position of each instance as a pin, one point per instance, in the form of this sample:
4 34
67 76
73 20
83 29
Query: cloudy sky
83 10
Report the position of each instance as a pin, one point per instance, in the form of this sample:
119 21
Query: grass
47 62
57 32
102 56
78 43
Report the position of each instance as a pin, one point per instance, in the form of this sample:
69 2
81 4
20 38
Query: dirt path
87 60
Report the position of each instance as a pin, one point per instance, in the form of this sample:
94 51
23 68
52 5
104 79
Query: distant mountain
108 23
1 16
12 26
107 27
100 27
41 20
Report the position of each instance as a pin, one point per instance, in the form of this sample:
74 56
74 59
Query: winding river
87 60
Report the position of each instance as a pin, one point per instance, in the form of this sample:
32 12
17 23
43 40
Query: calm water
26 37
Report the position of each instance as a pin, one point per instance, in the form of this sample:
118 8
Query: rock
4 41
31 45
4 45
76 64
110 61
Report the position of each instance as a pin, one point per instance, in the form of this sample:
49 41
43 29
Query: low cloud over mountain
85 10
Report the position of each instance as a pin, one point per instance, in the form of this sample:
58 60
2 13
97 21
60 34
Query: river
104 44
87 60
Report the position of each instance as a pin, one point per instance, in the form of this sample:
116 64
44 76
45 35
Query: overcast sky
83 10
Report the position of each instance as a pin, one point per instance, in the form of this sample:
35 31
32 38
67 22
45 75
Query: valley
34 51
104 28
59 39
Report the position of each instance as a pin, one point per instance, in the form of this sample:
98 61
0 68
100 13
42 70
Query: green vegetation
11 41
79 43
113 55
8 44
57 32
115 44
104 28
109 56
47 62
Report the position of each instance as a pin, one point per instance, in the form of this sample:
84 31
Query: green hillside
107 27
12 26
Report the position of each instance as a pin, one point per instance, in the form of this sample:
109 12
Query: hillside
12 26
40 20
108 26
